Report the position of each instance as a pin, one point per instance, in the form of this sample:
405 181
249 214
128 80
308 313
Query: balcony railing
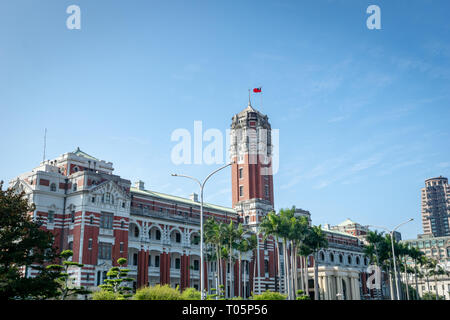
163 215
106 232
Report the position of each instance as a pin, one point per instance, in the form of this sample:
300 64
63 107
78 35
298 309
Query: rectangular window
51 217
135 259
241 191
104 251
177 263
106 220
156 261
90 244
241 173
73 216
196 265
121 247
266 190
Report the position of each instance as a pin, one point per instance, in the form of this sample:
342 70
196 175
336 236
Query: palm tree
242 245
315 241
229 237
298 233
278 225
403 253
215 235
428 264
372 248
270 227
415 255
437 271
249 245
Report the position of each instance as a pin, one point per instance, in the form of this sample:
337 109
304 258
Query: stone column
357 291
320 287
326 288
339 287
332 287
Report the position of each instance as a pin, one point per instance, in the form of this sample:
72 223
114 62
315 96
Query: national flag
256 90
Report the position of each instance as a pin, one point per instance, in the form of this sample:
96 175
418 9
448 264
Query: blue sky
363 115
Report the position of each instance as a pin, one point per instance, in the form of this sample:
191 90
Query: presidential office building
102 217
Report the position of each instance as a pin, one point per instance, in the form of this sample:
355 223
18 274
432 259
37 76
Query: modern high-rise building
436 207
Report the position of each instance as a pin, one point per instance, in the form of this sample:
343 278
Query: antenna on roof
45 143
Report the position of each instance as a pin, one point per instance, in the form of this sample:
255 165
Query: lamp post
393 252
202 185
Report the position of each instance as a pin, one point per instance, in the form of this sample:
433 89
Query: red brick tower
252 187
251 149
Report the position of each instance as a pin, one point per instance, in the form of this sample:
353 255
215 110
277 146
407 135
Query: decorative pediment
111 188
20 185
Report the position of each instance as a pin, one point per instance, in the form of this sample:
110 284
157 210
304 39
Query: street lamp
393 252
202 185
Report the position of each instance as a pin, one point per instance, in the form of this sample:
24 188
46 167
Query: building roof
80 153
347 222
340 233
181 199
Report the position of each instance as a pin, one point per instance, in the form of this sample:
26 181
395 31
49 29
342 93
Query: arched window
341 258
136 231
357 261
158 235
322 256
349 259
53 187
332 257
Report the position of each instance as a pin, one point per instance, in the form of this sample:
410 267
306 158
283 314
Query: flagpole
261 107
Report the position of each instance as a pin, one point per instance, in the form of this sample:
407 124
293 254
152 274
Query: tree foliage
117 279
24 245
67 289
157 292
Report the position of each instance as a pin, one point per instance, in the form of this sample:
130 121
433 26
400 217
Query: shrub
431 296
268 295
105 295
191 294
157 292
302 296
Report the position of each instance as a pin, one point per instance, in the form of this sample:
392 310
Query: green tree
269 226
66 289
117 277
190 294
242 245
432 296
316 240
24 245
